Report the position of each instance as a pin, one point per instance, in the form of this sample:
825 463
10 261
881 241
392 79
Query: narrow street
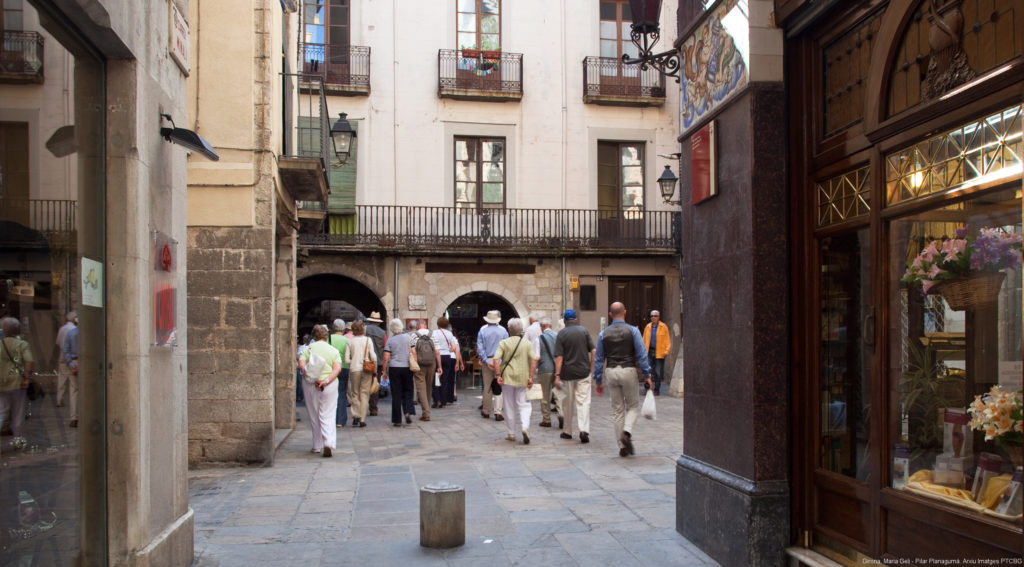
552 502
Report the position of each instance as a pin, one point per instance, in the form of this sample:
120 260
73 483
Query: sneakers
565 435
327 452
545 424
498 417
584 437
627 444
526 438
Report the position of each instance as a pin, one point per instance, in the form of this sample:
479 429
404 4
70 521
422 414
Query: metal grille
844 197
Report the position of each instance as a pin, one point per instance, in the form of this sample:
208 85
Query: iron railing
347 65
44 215
480 70
21 56
608 76
310 136
447 229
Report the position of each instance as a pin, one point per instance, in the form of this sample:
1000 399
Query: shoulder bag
413 364
369 365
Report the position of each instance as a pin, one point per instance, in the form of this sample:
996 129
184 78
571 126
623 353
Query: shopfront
906 182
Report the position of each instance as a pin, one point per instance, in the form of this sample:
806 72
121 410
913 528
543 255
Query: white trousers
516 406
576 403
623 385
323 414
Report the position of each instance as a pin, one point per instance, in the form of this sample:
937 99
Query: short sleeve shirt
398 346
10 367
325 351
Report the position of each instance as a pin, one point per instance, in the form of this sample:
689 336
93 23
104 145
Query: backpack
425 350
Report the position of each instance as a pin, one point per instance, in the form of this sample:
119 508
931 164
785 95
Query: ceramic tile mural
714 61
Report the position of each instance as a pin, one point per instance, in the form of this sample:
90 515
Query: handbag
369 365
414 364
536 392
314 367
374 386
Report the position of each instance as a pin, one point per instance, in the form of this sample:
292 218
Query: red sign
702 164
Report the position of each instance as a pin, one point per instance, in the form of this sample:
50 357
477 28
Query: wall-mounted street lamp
342 136
667 183
645 33
184 137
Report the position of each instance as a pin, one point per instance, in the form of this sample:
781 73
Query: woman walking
320 387
16 365
514 366
359 350
451 362
396 370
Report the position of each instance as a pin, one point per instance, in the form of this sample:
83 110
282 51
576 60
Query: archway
325 297
466 315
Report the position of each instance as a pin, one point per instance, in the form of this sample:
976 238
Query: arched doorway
466 315
325 297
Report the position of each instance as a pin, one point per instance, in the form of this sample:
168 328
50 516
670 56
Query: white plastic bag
314 366
536 392
648 409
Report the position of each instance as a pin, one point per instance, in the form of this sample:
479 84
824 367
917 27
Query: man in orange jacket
658 344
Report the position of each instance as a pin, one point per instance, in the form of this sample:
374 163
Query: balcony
608 81
305 157
21 57
54 219
525 232
345 70
474 74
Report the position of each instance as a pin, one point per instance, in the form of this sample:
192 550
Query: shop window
956 328
845 362
479 24
847 61
479 173
844 197
969 157
986 36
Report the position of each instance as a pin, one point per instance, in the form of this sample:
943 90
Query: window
325 33
11 16
479 173
616 19
620 179
479 24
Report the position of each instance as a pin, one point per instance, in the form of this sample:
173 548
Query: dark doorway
641 295
466 315
325 297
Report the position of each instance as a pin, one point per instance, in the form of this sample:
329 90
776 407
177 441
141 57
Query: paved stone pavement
552 502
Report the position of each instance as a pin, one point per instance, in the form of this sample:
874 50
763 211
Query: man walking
486 344
620 350
339 342
657 343
65 380
378 337
544 350
574 363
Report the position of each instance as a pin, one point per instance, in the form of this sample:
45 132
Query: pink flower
930 252
926 285
935 271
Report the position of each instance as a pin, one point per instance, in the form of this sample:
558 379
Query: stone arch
315 288
481 285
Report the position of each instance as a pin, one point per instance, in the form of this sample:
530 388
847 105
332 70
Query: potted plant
468 53
998 414
966 271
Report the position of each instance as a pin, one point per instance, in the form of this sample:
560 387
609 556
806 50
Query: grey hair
545 321
10 326
534 316
396 327
72 316
655 312
339 325
515 327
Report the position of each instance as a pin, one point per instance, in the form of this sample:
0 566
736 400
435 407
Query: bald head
617 310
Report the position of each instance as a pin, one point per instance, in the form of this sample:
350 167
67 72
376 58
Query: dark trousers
401 392
657 369
444 394
342 413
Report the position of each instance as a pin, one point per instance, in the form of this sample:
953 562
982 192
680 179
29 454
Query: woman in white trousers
321 391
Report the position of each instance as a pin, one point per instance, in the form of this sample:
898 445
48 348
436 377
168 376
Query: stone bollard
442 515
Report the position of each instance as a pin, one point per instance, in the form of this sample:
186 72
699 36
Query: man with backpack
429 360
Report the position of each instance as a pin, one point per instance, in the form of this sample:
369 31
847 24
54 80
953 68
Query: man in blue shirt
486 344
620 353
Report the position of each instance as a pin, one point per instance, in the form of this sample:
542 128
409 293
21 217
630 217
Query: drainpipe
394 304
563 285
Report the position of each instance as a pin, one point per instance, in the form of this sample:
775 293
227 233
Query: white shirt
445 342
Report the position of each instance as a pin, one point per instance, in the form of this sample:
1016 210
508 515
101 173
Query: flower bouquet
998 414
965 270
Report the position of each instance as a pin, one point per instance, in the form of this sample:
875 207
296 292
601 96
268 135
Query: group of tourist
344 370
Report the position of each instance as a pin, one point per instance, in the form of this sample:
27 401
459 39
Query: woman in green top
321 391
514 367
16 365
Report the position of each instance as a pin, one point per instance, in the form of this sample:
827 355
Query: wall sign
714 62
165 308
92 283
179 38
702 164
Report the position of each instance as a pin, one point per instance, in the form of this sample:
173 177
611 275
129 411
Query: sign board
179 38
702 164
92 282
165 293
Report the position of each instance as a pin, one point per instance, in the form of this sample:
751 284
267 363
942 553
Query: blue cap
569 314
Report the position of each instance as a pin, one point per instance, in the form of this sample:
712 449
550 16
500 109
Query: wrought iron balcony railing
607 80
344 68
48 216
307 149
444 230
474 74
21 57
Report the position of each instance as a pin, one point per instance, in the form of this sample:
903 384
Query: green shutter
343 181
342 224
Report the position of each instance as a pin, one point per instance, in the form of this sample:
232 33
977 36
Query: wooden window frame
479 14
477 203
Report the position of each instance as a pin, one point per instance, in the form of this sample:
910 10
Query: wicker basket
970 291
